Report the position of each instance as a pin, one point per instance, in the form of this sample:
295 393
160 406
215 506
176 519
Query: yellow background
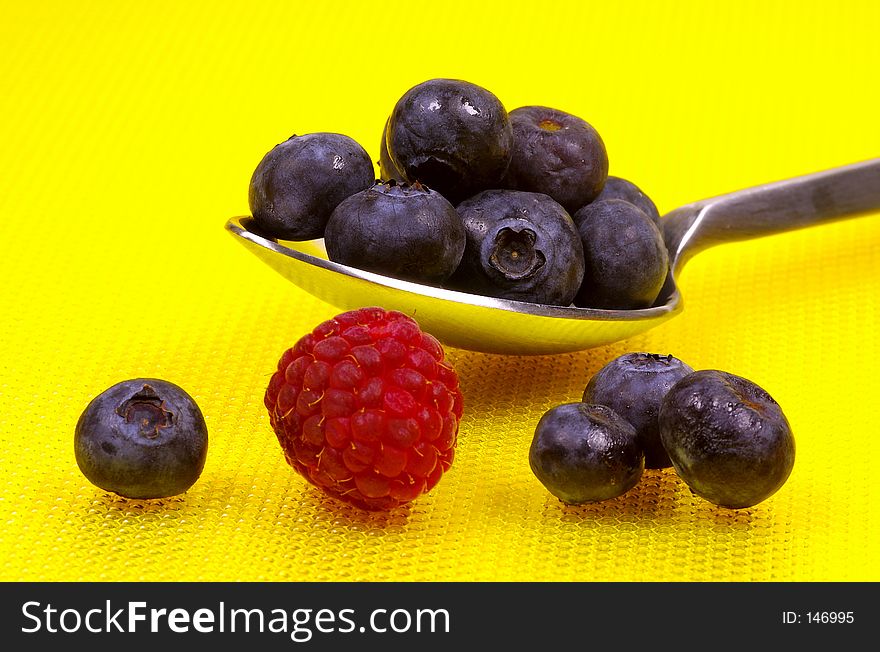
128 134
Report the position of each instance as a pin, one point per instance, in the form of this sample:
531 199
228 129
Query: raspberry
366 408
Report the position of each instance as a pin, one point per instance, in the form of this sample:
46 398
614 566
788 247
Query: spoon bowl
492 325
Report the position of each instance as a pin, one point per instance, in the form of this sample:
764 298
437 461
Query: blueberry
142 438
625 257
450 135
404 231
558 154
299 182
633 385
585 453
520 245
727 438
387 170
619 188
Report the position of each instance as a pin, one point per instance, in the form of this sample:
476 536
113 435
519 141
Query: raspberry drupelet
366 408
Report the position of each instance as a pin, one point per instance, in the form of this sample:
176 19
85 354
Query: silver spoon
492 325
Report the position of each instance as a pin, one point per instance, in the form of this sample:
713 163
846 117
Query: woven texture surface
129 135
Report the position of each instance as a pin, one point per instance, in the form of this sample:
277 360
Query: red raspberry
366 408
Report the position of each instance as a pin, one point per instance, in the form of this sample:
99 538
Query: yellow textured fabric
129 133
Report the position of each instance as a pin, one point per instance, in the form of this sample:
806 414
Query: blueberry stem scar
515 255
550 125
148 410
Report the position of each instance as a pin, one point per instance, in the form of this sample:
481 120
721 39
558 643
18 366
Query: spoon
491 325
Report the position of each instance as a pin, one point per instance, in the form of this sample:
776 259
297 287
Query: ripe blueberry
625 257
633 385
558 154
142 438
585 453
299 182
619 188
450 135
405 231
520 245
727 438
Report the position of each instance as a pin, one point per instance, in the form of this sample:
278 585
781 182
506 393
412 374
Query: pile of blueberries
519 205
724 435
515 205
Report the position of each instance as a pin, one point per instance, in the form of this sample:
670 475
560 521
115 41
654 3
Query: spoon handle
803 201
